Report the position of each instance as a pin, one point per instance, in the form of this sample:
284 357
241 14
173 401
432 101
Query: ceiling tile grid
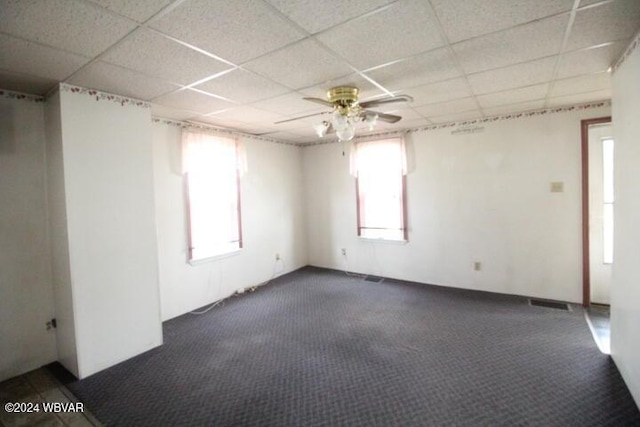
75 26
121 81
234 30
246 64
151 53
406 28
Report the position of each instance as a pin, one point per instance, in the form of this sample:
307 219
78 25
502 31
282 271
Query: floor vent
550 304
374 279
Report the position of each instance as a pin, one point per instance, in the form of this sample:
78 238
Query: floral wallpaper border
185 125
103 96
475 125
9 94
627 53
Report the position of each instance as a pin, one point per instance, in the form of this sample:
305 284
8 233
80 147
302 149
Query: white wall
110 209
475 197
272 222
625 290
59 238
26 299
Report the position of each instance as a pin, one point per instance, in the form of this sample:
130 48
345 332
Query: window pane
211 165
608 232
380 189
607 169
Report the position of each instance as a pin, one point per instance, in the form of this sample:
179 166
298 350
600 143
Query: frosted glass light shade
346 133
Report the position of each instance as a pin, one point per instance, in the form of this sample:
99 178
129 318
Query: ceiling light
321 128
347 132
371 120
347 111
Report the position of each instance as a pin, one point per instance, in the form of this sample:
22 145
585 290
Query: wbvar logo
58 407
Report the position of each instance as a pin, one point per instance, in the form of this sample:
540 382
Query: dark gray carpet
317 347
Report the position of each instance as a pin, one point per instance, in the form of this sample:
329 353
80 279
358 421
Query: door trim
586 273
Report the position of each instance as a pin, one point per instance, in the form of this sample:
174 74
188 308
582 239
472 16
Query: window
607 173
212 167
380 168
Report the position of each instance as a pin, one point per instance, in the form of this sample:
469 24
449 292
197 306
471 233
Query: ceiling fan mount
343 96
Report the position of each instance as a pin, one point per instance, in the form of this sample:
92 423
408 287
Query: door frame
586 272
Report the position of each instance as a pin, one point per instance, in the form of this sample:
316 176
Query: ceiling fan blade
376 102
383 117
319 101
301 117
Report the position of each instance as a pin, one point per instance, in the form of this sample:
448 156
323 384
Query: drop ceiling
245 64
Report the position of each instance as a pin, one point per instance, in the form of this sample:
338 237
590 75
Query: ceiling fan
347 112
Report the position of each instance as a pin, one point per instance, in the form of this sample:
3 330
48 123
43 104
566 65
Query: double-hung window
380 168
212 167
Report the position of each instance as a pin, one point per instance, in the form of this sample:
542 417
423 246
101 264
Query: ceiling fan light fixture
346 133
321 128
371 120
339 120
347 112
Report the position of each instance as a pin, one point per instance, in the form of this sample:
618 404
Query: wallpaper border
104 96
10 94
224 131
628 52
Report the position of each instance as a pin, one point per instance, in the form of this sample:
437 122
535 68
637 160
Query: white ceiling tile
430 67
315 16
456 117
586 83
513 76
446 108
470 18
300 65
158 110
234 30
590 61
74 25
22 56
515 96
246 114
151 53
289 104
25 83
195 101
598 95
514 108
120 81
617 20
243 86
366 89
138 10
439 92
519 44
406 28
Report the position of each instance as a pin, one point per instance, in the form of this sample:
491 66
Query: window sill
383 241
194 262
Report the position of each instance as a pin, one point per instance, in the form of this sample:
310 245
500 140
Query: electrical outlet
277 257
557 187
477 266
344 252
